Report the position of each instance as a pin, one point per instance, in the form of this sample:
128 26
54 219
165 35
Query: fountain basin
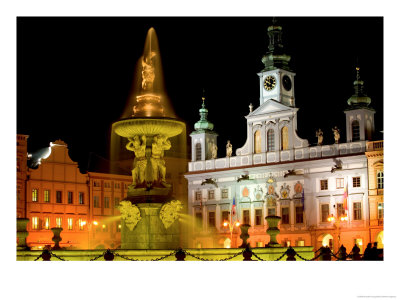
149 127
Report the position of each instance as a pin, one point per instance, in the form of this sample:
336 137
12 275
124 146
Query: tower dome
359 98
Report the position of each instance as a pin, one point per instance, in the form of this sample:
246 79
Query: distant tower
276 79
203 138
359 117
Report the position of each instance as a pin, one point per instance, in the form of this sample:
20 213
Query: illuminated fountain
149 213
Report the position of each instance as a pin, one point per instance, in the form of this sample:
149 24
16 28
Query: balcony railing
375 146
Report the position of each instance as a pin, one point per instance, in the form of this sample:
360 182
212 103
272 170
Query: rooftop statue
228 149
320 135
336 134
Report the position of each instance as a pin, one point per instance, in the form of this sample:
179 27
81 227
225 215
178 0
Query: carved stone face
130 214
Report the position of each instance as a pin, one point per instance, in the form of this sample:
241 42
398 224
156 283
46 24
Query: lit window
324 184
47 196
285 138
70 198
339 183
257 142
270 140
300 243
198 195
106 202
271 211
116 202
224 193
47 223
258 217
357 210
118 227
225 216
198 151
299 214
356 182
81 198
211 219
379 178
96 201
35 223
70 223
285 215
34 195
340 210
359 243
105 228
58 196
355 127
324 212
259 244
211 194
81 223
380 210
59 222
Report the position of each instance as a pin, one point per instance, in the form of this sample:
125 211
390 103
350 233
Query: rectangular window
339 183
285 215
47 223
357 211
246 216
81 223
299 214
70 198
59 222
258 217
224 193
379 178
271 211
211 219
96 201
70 223
106 202
324 212
198 195
46 196
34 195
225 216
118 229
117 186
58 196
116 202
324 184
300 243
81 198
340 210
380 210
211 194
105 228
356 182
199 221
35 223
95 183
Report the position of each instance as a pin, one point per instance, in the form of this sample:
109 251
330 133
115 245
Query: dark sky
74 74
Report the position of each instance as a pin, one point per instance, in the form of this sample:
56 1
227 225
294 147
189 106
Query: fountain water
149 213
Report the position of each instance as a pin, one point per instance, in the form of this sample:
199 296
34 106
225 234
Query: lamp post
336 222
231 225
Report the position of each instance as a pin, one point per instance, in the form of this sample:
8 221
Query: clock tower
276 79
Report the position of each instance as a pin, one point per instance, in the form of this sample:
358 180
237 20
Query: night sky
74 74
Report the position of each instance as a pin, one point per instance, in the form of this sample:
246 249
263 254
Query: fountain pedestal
273 230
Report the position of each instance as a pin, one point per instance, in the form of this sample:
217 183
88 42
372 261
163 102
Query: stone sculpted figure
214 150
159 145
140 161
336 134
320 135
228 149
148 74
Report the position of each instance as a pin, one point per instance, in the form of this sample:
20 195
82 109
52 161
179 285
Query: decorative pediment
270 106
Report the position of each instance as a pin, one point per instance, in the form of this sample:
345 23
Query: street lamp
336 222
231 225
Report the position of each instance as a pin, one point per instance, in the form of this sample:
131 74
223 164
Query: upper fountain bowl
148 126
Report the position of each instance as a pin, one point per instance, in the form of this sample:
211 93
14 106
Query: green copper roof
275 57
203 125
359 99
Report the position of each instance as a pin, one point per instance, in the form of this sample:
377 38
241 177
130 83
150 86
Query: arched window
355 129
270 140
198 151
257 142
285 138
379 180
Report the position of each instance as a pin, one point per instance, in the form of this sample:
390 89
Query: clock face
269 82
287 83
